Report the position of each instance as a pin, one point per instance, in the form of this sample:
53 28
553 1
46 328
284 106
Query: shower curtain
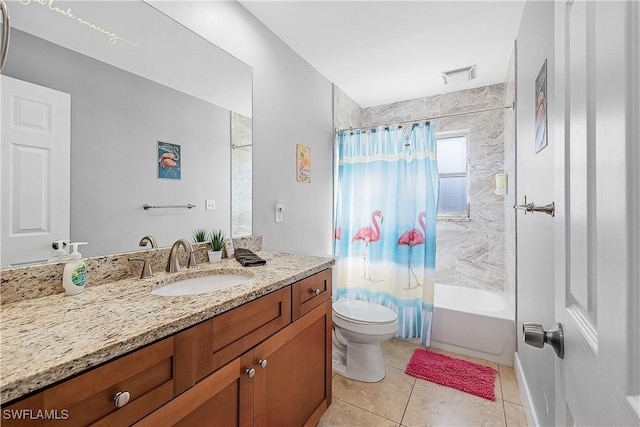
386 202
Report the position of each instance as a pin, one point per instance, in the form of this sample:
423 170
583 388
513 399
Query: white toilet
358 329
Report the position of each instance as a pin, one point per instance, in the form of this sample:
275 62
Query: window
452 171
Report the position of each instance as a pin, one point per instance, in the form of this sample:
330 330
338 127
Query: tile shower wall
346 112
470 252
241 175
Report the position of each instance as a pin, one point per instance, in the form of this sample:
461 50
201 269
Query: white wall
117 117
535 232
292 104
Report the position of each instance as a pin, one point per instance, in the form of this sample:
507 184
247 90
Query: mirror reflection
148 121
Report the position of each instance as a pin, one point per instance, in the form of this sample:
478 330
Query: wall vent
461 75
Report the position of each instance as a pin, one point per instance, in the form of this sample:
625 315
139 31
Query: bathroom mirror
140 85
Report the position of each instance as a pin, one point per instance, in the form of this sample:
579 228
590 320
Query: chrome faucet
173 265
148 239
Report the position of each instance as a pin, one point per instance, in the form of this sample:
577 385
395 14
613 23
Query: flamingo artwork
413 238
368 234
170 160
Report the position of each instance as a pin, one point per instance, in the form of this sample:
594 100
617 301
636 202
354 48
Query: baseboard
525 394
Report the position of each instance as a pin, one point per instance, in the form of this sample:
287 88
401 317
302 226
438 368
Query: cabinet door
151 376
230 334
224 398
294 387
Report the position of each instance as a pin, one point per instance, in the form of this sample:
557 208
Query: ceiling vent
461 75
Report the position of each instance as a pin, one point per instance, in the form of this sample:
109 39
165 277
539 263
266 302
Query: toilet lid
363 311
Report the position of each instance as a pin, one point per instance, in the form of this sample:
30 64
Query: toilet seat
364 317
363 312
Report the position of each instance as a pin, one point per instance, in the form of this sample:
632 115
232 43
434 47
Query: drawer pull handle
121 398
250 372
262 363
315 292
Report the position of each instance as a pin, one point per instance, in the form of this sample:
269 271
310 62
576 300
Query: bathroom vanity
254 354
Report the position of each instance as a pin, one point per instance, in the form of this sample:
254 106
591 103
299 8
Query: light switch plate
279 212
210 205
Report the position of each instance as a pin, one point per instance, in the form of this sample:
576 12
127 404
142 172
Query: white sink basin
201 285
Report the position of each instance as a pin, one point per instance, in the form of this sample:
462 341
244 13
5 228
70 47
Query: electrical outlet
210 205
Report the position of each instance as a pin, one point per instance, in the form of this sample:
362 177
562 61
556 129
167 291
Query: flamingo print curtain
386 202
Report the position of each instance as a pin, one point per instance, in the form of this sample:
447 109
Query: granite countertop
48 339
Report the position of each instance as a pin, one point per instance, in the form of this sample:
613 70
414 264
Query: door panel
35 170
580 171
297 370
597 281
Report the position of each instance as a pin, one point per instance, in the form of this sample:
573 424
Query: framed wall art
541 140
169 161
303 164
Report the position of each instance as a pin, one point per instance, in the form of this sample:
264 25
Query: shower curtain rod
428 118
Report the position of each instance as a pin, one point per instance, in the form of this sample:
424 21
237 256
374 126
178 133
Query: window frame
449 135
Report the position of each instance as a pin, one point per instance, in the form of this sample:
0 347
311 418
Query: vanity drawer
227 336
309 293
148 375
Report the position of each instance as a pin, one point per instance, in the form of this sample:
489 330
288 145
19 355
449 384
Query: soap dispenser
74 276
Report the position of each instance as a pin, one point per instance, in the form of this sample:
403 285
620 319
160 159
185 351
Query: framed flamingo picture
303 164
541 139
169 160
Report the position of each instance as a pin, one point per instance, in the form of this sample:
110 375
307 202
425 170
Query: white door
35 170
597 194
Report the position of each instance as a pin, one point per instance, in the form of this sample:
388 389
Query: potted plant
217 239
199 235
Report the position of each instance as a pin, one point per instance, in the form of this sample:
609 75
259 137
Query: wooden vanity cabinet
152 376
224 398
285 380
250 366
228 335
294 388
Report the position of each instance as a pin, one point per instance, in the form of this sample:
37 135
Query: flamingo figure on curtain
368 235
413 238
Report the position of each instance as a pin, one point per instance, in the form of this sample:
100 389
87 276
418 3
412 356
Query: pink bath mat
451 372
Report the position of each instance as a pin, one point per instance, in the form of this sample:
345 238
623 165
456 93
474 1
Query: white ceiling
380 52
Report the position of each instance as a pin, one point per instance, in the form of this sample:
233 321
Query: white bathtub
473 322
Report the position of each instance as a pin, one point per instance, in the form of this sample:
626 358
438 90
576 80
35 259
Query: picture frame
169 160
303 164
541 129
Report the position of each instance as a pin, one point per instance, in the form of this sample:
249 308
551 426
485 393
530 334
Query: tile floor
402 400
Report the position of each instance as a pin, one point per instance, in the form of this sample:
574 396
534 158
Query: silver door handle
549 209
536 336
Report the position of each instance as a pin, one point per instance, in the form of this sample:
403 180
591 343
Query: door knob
251 372
262 363
536 336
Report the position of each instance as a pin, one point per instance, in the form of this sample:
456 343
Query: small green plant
199 235
217 240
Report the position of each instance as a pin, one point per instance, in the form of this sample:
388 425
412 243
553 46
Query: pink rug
451 372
